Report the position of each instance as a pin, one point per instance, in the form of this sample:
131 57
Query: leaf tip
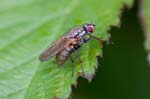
89 77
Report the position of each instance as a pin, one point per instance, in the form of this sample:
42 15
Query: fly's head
89 28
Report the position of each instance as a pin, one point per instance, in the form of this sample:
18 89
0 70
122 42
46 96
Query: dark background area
124 72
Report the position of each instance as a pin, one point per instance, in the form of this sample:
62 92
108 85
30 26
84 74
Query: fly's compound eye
89 28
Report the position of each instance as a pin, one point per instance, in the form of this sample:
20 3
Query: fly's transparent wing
55 48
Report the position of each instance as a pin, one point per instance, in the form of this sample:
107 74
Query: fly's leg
78 55
72 65
87 39
102 40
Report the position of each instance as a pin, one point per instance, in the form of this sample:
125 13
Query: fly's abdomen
62 56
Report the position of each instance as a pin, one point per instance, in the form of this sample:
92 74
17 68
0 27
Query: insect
68 44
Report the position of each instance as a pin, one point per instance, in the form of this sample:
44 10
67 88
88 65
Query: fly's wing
56 47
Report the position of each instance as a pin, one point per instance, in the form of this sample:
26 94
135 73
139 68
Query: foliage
29 26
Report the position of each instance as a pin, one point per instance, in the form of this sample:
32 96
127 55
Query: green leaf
145 16
29 26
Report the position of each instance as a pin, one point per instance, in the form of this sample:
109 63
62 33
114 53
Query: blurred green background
124 72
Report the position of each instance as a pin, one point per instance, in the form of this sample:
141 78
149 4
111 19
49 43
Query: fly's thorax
81 39
76 32
81 34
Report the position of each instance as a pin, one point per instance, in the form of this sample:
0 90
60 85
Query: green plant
28 26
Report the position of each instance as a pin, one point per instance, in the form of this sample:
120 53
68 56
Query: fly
68 44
